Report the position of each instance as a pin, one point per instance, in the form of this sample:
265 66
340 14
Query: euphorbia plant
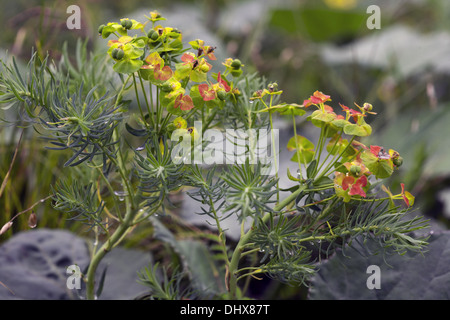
114 186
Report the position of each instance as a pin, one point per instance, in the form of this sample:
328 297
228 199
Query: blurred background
401 68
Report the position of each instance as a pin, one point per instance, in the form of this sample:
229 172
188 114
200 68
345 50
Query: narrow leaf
102 282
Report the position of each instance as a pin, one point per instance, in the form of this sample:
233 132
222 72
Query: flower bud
32 220
367 107
6 227
117 54
273 87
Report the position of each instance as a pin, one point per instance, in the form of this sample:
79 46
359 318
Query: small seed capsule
236 64
355 170
117 54
166 87
153 34
204 68
127 24
100 29
367 107
272 87
398 161
222 95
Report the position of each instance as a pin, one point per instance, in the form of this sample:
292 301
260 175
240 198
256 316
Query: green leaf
381 168
320 118
136 25
196 97
340 123
198 76
135 132
323 116
113 27
354 129
194 44
182 71
305 149
290 176
132 52
128 66
286 109
323 182
340 147
147 74
102 282
293 108
311 169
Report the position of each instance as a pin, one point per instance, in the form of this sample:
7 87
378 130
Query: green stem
335 157
210 119
146 102
152 107
249 252
120 94
138 218
115 238
318 153
165 121
238 251
139 102
221 232
296 146
118 235
274 154
331 165
255 271
111 190
341 234
123 227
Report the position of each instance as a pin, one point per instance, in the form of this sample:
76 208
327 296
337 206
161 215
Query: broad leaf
286 109
196 97
413 276
128 66
305 149
322 116
361 129
381 168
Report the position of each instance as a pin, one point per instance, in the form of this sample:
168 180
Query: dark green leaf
310 171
